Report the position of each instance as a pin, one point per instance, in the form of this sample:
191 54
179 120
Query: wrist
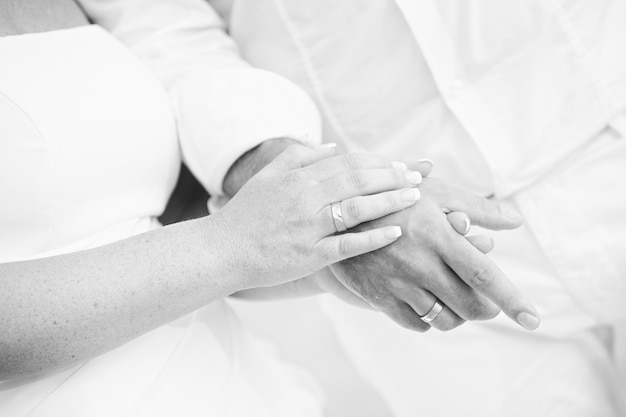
221 251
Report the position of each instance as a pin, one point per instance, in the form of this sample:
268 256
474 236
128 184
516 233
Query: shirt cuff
221 114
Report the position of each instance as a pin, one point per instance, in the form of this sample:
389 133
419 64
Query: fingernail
398 165
528 321
468 225
411 195
393 232
413 177
425 164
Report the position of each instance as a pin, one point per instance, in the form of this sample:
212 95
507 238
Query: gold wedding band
335 209
433 313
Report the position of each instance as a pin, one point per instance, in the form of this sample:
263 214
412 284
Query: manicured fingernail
398 165
411 195
528 321
425 165
413 177
393 232
468 225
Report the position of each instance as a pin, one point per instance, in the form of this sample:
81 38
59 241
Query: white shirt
532 82
521 99
223 106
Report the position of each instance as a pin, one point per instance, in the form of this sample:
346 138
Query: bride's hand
280 227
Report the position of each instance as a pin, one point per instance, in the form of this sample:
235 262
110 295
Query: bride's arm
59 311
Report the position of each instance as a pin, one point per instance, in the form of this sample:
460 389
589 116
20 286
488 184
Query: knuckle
476 311
352 161
353 209
291 178
391 199
302 250
344 247
356 179
371 290
433 235
480 278
372 240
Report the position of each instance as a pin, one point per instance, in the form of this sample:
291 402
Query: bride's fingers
364 182
357 210
330 167
298 156
333 249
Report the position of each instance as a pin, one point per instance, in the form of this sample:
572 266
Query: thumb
486 213
423 166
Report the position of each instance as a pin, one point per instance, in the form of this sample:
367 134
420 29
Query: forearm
59 311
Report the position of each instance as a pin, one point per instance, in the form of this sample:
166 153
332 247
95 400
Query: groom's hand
252 162
433 261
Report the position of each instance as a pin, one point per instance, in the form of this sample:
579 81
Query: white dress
88 155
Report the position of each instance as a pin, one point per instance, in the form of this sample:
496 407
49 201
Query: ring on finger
335 209
433 312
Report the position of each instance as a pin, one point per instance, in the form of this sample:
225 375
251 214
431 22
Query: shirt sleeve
223 106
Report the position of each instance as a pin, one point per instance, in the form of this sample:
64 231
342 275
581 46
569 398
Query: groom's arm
224 107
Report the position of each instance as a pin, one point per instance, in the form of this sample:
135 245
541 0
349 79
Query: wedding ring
433 313
335 209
